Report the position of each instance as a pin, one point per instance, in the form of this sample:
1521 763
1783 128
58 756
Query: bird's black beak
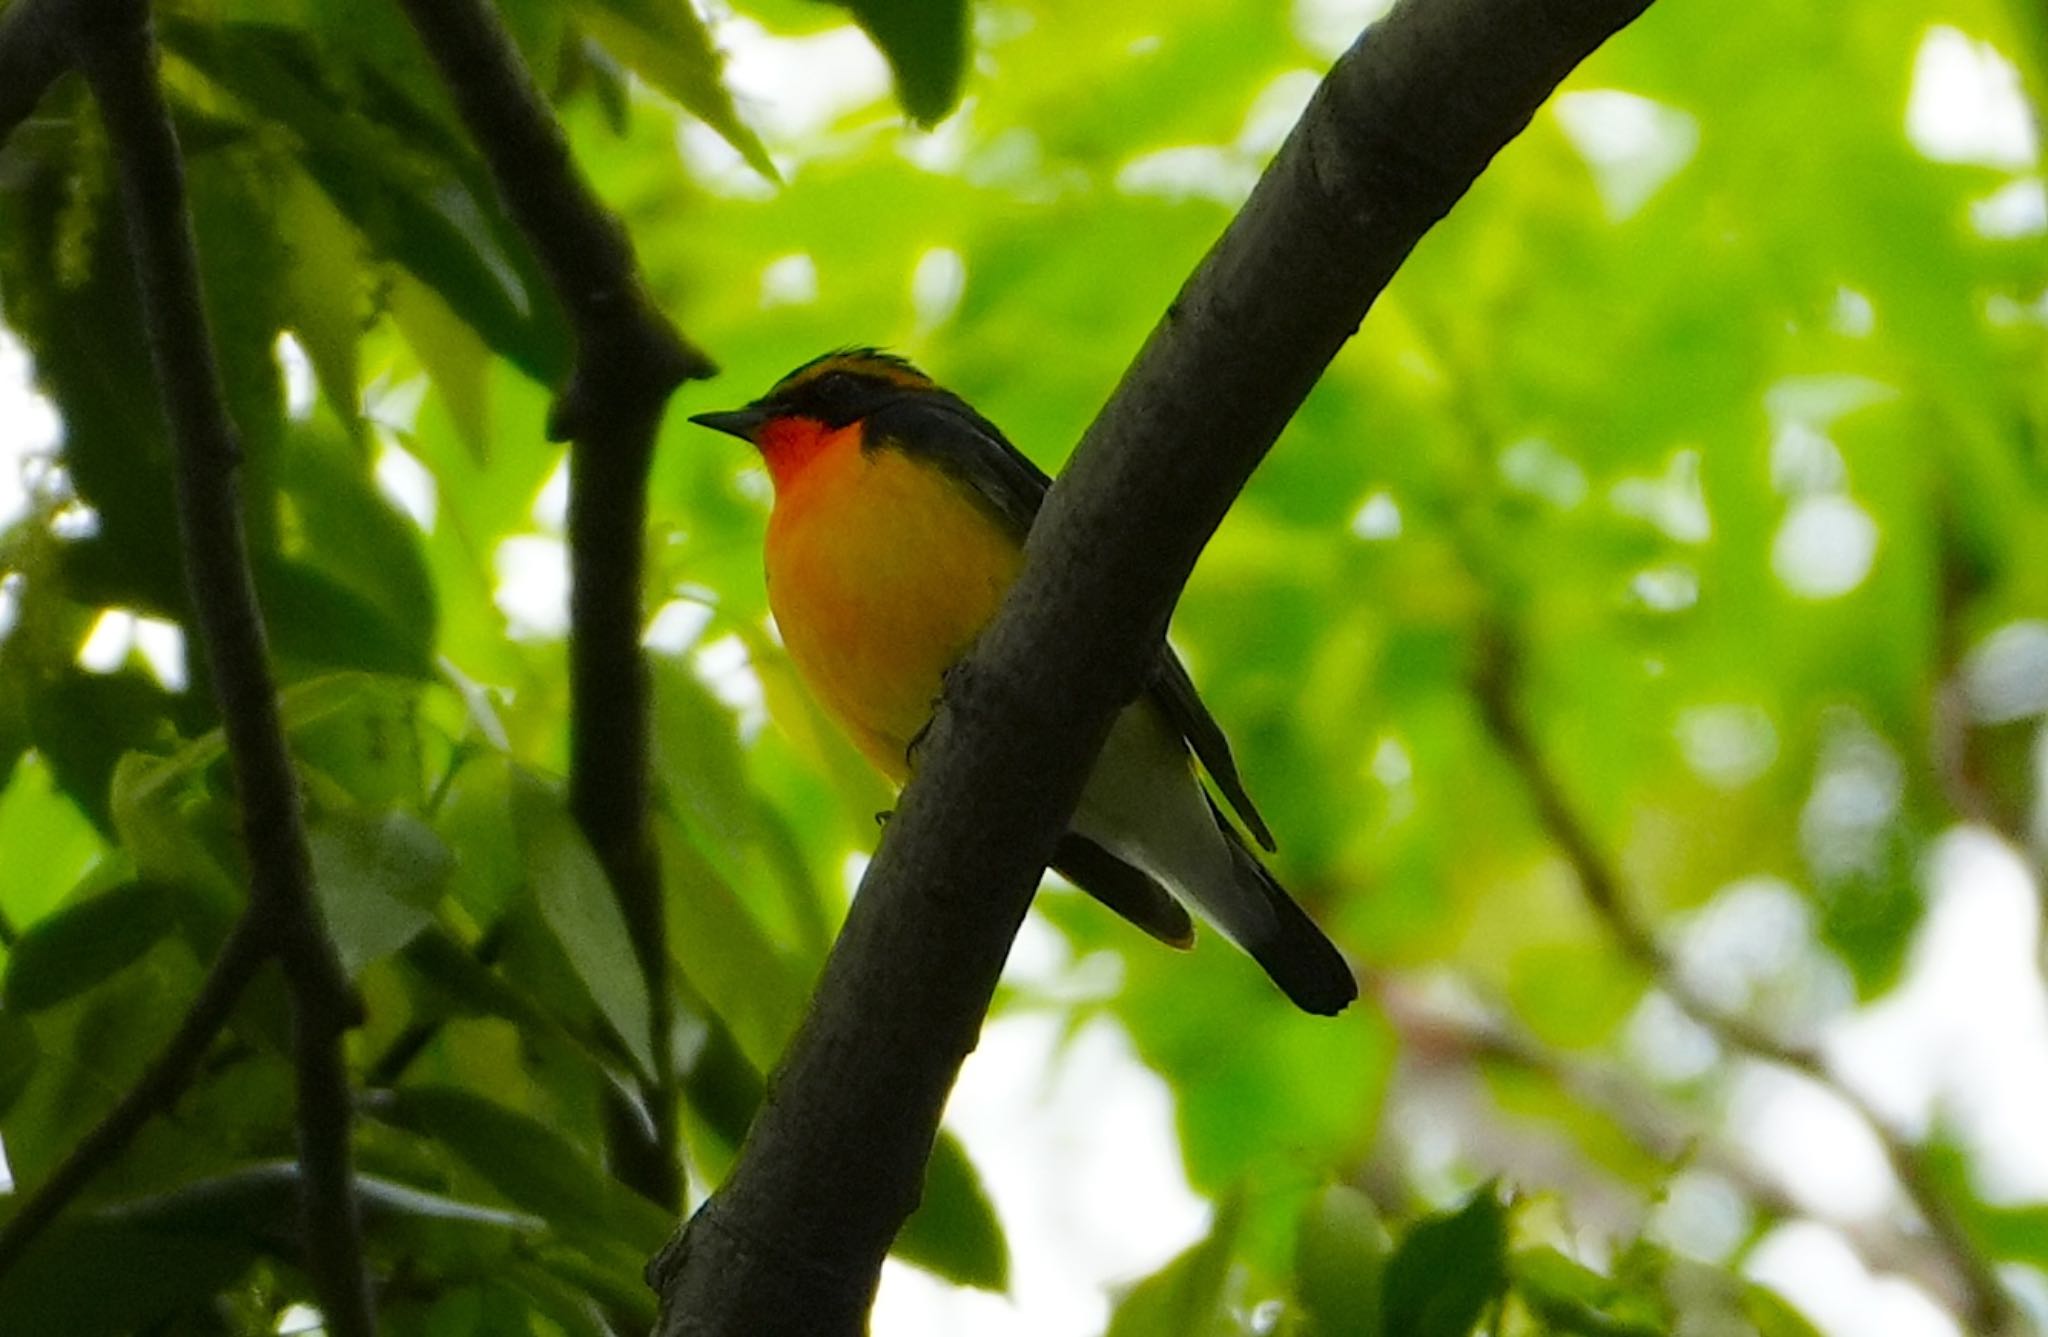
742 423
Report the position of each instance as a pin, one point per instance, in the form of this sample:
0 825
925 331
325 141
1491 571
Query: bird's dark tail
1291 949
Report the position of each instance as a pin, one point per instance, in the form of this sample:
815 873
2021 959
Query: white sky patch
2005 675
1702 1216
1668 588
29 427
1813 1266
1274 110
1727 745
300 388
551 503
1674 502
1854 315
75 520
406 483
299 1319
676 626
395 403
1967 106
1818 401
1378 517
789 89
1964 1038
1534 466
1846 823
1329 27
1804 460
2015 210
1190 172
1806 1138
789 280
107 646
1825 547
1753 934
10 602
728 670
1076 1145
1667 1044
1632 145
937 282
162 647
533 586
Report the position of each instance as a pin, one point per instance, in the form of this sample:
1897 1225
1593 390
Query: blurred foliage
1719 396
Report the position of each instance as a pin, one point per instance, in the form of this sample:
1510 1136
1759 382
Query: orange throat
789 445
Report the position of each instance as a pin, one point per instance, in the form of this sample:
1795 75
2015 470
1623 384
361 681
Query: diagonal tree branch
167 1076
794 1241
1988 1307
628 360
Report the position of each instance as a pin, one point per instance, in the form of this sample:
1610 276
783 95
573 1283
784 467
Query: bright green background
1580 420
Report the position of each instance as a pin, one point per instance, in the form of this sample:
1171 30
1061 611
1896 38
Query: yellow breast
882 569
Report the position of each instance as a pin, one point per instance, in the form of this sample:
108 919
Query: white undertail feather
1144 805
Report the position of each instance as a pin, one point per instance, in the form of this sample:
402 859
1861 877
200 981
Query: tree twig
1432 1035
113 44
629 358
158 1088
1988 1307
33 52
794 1240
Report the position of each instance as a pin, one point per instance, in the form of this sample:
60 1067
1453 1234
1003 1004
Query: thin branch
629 358
1397 132
116 49
1432 1035
1988 1307
33 53
166 1078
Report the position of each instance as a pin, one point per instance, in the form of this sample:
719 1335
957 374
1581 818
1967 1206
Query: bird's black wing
937 426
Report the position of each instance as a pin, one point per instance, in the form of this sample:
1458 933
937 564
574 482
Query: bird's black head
835 389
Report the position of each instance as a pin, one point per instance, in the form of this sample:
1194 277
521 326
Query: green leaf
1187 1297
72 950
260 1203
96 1279
323 297
321 622
1774 1317
1339 1258
378 878
576 902
19 1054
433 214
49 843
954 1231
724 953
1571 1297
666 42
925 42
1448 1270
698 761
454 354
534 1167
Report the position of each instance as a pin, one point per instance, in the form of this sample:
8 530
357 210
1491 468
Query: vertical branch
116 48
1989 1308
628 360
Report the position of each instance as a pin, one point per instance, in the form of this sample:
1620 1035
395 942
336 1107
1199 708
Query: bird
897 524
